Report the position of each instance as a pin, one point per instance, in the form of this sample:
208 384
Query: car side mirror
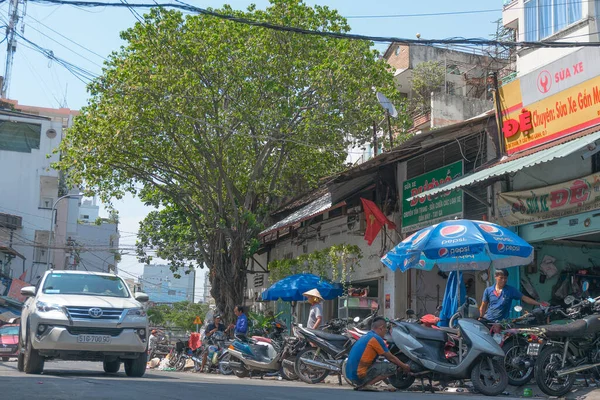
141 297
28 291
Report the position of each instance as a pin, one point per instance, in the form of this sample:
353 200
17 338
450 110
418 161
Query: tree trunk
227 278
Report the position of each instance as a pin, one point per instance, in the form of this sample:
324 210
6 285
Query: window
19 136
544 18
48 191
85 284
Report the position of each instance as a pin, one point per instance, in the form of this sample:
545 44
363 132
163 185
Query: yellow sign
197 321
559 115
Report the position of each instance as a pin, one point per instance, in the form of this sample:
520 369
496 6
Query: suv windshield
86 284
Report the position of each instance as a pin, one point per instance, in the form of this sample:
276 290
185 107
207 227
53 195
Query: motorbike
160 349
216 356
261 356
425 350
329 355
567 349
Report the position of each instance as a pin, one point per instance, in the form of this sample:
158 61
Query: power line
335 35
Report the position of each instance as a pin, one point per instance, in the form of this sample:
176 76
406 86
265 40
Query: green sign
430 210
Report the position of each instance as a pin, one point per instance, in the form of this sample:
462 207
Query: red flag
23 275
375 220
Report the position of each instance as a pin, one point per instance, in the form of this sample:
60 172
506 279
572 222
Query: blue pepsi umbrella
292 287
460 245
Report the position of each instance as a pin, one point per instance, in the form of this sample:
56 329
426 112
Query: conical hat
313 293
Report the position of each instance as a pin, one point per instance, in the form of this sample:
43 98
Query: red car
9 341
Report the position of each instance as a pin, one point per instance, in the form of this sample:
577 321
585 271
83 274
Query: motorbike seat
577 328
452 331
421 332
332 337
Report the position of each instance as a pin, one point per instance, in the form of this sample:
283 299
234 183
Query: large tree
215 122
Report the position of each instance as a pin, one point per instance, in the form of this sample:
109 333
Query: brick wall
399 56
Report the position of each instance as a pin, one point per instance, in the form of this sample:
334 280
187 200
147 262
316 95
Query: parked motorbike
425 350
568 349
331 350
216 356
250 357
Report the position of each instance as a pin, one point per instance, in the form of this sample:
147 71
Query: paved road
84 380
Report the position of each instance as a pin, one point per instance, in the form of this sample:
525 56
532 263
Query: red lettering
525 121
510 127
578 68
559 198
580 192
414 192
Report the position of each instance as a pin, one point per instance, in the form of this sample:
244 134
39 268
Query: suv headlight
136 312
47 307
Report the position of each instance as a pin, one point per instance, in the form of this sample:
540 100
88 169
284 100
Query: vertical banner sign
419 213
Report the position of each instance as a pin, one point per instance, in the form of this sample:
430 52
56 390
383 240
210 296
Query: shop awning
315 208
515 163
9 250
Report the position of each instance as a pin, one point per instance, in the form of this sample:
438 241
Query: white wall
96 242
20 195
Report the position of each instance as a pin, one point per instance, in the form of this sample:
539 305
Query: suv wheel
112 367
137 367
33 363
21 355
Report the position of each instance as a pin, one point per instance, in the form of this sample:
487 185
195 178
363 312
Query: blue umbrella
460 245
454 297
292 287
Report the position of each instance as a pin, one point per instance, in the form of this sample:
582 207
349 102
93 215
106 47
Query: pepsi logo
453 231
501 246
422 263
422 236
408 239
405 262
443 252
491 229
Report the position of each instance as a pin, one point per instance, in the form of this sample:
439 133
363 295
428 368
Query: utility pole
14 17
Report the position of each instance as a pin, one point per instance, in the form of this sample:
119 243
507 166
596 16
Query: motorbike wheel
307 373
516 376
348 381
548 362
288 372
180 365
224 367
489 377
401 380
241 373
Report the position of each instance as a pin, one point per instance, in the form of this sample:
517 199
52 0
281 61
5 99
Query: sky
86 36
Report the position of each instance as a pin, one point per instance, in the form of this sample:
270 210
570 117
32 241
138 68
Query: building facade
163 286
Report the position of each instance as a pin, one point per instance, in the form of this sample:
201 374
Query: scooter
249 357
425 351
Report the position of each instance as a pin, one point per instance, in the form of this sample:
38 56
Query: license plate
6 350
93 339
533 349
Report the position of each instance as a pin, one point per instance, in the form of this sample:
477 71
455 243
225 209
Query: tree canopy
216 122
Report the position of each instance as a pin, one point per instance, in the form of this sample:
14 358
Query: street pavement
86 380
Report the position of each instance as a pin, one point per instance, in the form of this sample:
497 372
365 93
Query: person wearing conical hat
315 317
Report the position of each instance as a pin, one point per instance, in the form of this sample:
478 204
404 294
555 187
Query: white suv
74 315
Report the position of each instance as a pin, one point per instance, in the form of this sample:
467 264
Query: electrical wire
335 35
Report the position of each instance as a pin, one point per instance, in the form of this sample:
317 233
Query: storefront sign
430 210
567 198
554 101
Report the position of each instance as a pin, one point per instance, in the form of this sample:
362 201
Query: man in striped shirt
362 367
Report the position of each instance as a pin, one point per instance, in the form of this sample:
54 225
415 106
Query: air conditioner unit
357 224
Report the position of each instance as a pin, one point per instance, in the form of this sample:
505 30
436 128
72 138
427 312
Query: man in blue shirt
362 367
241 326
497 299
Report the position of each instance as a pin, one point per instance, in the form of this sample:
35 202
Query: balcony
511 13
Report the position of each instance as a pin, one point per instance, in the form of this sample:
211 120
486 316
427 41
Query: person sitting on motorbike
497 299
362 367
211 328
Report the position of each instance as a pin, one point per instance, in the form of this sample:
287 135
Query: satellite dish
387 104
